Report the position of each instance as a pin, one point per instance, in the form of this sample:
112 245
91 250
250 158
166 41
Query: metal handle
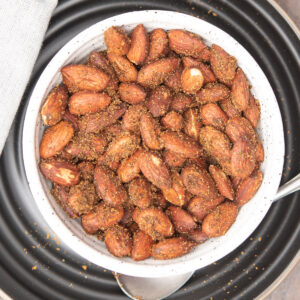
290 187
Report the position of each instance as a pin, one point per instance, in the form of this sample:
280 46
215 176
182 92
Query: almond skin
240 129
98 121
212 114
198 236
252 112
242 159
212 92
248 188
223 64
116 40
259 152
55 139
132 93
71 119
181 144
181 102
176 194
192 123
173 121
149 132
60 172
229 108
159 44
185 43
118 241
182 220
139 45
139 191
207 73
55 105
222 181
109 187
198 182
172 248
153 74
218 222
101 218
129 167
154 222
192 80
155 170
173 159
83 103
159 101
82 77
142 244
240 91
173 81
131 118
200 207
124 69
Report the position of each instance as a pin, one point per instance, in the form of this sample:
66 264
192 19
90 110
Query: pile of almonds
153 142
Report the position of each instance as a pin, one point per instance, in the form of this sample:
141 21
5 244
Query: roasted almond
153 74
211 114
240 128
124 69
87 170
252 112
132 93
181 144
173 159
83 103
222 181
55 139
198 182
205 54
172 248
129 167
218 222
186 43
200 207
198 236
154 222
142 245
98 121
139 190
229 108
223 64
159 101
116 40
109 187
242 159
159 44
175 194
173 81
60 172
192 123
139 45
101 218
181 102
259 152
207 73
182 220
118 241
131 118
155 170
192 80
212 92
149 132
55 105
172 120
82 77
240 91
248 188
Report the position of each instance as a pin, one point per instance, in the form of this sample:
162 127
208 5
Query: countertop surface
289 288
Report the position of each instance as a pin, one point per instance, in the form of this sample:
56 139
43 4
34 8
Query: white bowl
250 215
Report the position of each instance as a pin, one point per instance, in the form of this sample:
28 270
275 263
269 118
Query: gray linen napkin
23 24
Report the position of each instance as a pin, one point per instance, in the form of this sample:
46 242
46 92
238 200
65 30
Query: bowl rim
31 161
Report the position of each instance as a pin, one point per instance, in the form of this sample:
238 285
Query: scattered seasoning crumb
25 250
256 268
33 247
48 235
242 252
263 269
26 232
251 239
34 268
63 260
85 276
71 284
57 249
84 267
259 239
214 14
